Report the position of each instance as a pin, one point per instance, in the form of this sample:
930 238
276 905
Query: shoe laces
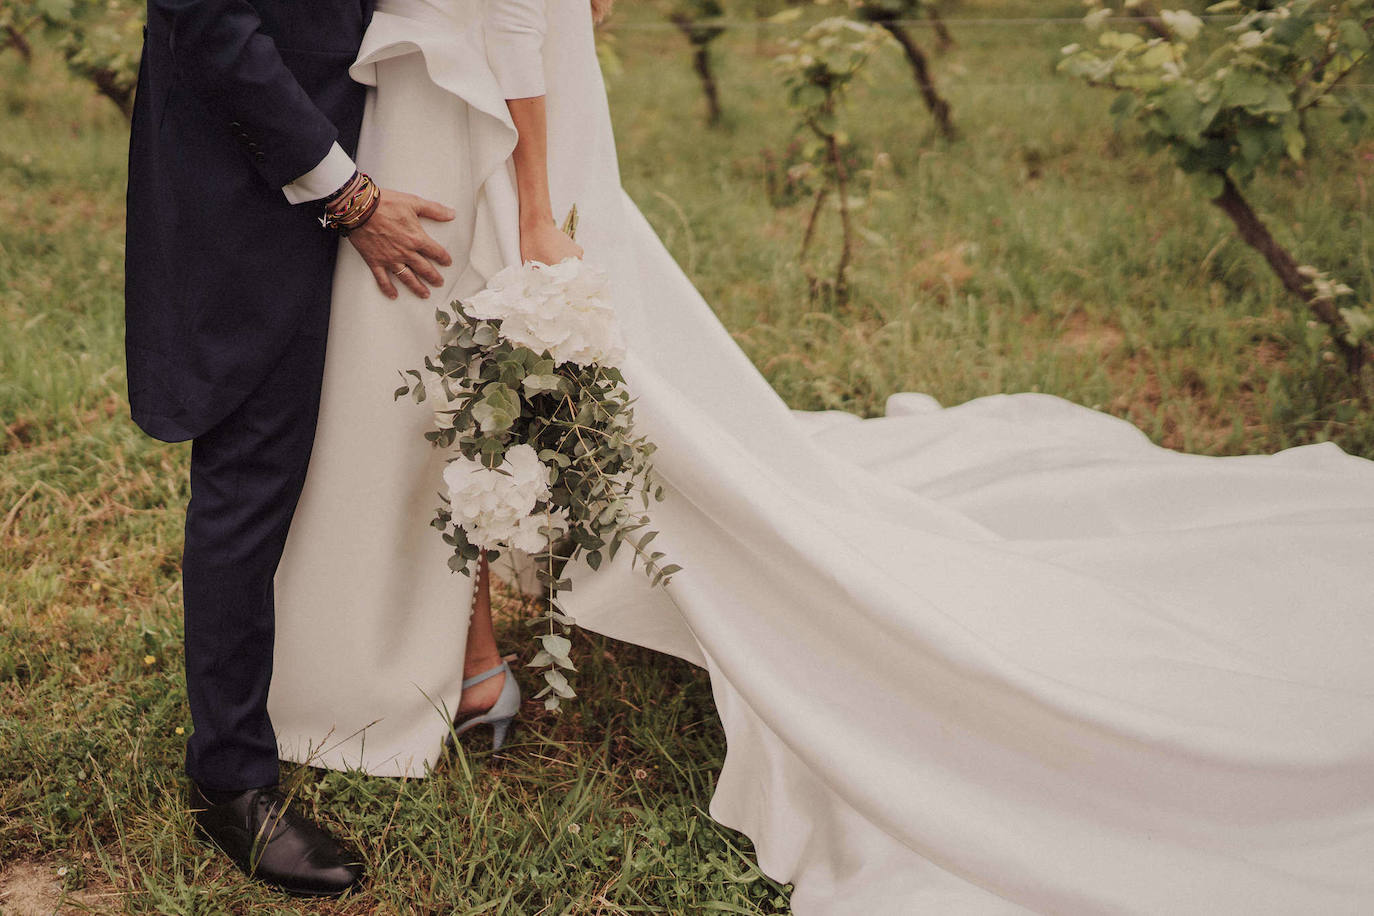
273 809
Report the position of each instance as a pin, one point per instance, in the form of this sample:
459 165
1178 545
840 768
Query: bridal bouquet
526 394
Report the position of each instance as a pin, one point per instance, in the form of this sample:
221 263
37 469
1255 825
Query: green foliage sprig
98 39
893 15
1244 106
818 68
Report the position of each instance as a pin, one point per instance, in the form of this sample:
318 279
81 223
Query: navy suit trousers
246 477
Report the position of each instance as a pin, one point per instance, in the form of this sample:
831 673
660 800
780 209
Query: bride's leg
482 653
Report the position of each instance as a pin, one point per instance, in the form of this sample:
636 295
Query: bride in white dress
998 657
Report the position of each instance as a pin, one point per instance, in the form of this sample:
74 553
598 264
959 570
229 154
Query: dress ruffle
452 40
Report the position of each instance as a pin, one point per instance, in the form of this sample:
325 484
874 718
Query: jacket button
235 125
259 156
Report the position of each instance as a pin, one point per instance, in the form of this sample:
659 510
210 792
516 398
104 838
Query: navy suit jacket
236 98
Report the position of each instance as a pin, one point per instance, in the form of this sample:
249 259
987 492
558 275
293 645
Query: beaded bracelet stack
353 205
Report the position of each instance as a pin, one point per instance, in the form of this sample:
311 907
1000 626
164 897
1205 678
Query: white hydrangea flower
564 308
490 505
529 539
436 396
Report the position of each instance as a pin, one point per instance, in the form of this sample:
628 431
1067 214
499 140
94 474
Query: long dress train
998 657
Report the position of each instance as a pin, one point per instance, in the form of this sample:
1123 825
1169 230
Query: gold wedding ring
404 268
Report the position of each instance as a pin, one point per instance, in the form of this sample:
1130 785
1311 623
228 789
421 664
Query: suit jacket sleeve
515 40
220 52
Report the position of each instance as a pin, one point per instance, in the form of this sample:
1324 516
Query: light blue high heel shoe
501 715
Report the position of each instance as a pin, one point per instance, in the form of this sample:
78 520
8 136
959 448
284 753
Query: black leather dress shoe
271 841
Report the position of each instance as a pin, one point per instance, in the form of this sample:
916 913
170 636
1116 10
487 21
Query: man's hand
396 246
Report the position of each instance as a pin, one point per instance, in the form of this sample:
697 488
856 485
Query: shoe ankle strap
490 672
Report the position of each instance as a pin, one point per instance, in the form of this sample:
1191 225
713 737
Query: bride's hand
546 243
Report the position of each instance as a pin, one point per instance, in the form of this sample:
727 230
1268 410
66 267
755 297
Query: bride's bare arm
540 237
515 31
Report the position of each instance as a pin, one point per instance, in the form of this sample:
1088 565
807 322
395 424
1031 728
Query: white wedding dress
1006 656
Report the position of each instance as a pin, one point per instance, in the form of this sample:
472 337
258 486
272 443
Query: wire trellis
950 22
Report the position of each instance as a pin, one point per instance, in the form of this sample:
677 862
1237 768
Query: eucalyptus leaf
556 645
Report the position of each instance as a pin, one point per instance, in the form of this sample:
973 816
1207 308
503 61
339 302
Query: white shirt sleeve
515 41
324 179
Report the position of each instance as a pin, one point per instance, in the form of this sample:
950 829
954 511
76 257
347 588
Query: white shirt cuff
324 179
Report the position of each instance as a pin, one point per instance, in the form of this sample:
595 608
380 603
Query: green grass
1042 251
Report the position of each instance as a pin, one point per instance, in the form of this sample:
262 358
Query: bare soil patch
34 888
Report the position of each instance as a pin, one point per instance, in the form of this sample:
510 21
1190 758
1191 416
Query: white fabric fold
450 38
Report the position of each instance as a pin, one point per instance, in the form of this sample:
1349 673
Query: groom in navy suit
245 123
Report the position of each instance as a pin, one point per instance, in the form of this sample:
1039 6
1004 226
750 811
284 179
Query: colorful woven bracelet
355 202
363 212
346 188
350 199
